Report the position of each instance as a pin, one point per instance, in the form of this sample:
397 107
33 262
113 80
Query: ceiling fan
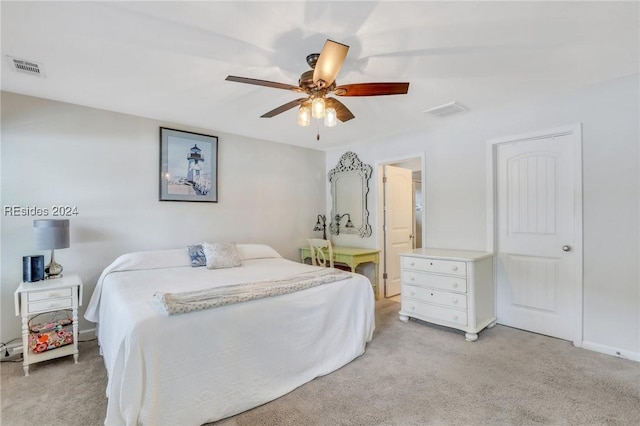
319 82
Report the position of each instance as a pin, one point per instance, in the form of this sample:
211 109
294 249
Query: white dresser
453 288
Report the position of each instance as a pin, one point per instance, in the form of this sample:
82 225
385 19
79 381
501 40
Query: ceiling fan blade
329 63
283 108
342 112
371 89
264 83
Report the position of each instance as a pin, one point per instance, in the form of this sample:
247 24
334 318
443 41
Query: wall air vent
446 109
27 67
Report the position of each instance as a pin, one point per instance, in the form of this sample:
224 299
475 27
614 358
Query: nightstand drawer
454 300
34 296
433 265
443 282
49 304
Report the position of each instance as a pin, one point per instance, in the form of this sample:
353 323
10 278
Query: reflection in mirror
349 188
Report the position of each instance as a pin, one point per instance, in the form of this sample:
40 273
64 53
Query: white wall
455 176
107 165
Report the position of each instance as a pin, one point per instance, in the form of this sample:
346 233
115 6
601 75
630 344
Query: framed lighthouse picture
188 166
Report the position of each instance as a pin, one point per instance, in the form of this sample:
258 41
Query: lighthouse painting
188 166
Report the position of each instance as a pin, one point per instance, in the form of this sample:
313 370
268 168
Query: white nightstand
48 296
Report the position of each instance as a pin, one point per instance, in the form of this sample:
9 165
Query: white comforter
202 366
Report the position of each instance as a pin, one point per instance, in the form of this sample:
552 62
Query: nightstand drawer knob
454 268
455 300
412 293
412 278
455 317
454 285
412 263
413 308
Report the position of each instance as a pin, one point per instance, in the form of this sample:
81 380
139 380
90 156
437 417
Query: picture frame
188 166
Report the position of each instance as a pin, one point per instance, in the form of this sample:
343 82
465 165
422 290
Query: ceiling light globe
304 116
330 117
317 108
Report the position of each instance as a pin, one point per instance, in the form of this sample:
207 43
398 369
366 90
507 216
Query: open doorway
401 215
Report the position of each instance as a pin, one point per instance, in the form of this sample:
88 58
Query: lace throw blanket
190 301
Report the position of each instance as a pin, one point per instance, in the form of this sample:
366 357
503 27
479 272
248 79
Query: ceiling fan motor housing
306 83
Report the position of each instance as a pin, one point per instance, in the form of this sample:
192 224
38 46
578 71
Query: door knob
566 248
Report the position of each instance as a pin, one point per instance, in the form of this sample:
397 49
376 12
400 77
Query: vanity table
351 257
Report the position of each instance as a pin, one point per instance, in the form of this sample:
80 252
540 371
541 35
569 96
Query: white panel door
398 206
536 258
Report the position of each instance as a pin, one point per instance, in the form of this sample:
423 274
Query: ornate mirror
349 188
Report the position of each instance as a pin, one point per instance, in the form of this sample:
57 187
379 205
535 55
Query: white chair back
318 255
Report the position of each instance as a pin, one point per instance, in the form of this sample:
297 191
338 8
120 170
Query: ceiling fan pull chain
318 128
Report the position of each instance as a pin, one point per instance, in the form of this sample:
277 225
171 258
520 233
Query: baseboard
88 334
620 353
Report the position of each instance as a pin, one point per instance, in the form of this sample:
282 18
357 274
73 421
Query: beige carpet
411 374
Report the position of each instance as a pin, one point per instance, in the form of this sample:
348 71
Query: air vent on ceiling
27 67
446 109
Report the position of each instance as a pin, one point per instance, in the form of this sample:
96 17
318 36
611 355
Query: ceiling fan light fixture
317 108
330 117
304 116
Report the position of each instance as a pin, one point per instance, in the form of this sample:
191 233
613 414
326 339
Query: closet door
537 262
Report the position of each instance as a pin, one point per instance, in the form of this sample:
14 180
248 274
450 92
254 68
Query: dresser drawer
432 265
447 298
432 280
34 296
427 311
50 304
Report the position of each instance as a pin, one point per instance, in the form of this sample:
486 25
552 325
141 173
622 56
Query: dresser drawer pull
53 304
412 293
455 300
454 268
412 263
455 317
413 308
412 278
454 285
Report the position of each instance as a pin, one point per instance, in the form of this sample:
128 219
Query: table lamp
51 234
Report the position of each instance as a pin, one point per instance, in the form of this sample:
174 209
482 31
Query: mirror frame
349 162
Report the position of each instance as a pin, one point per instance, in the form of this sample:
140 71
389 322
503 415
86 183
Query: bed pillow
196 253
221 255
256 251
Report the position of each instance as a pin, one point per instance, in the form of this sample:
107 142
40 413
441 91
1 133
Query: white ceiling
168 60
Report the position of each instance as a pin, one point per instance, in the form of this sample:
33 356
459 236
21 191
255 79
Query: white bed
193 368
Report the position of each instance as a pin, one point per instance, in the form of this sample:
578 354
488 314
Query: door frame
379 171
491 151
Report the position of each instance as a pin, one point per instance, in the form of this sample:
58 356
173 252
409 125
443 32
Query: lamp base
53 269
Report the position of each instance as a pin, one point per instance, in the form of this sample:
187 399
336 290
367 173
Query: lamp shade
51 233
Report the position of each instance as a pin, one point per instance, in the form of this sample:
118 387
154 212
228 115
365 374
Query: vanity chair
318 255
